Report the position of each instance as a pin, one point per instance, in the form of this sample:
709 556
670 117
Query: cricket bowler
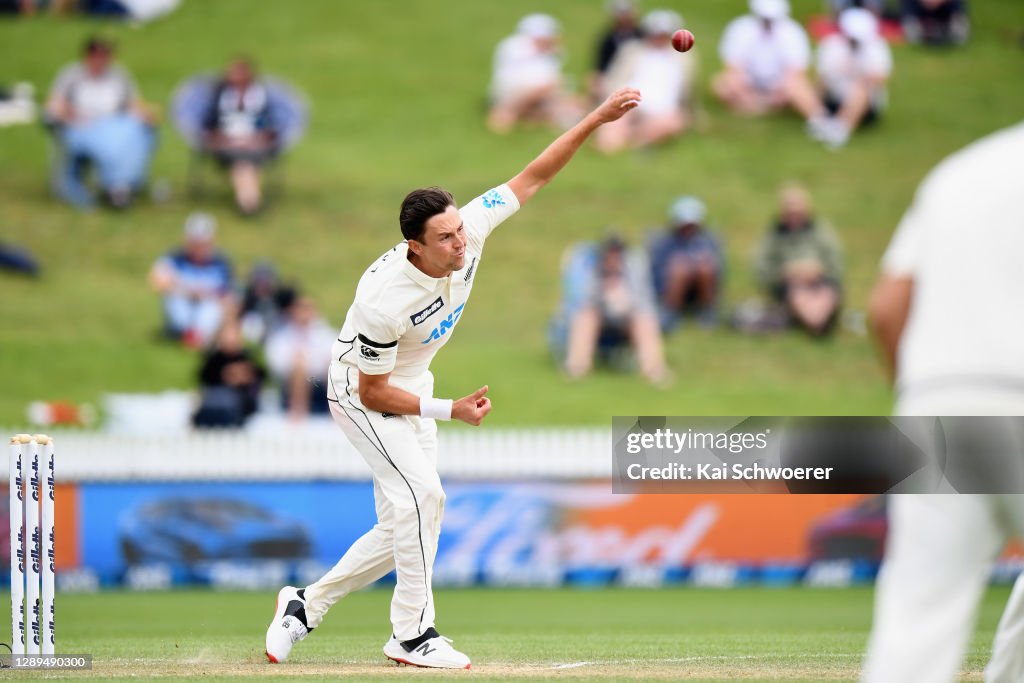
406 307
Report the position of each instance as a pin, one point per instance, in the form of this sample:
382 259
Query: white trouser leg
402 454
368 559
936 566
1007 663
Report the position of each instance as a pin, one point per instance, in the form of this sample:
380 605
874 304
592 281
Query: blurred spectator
686 262
298 351
664 76
608 308
800 264
527 81
17 6
936 22
195 281
876 7
853 67
240 132
230 382
263 300
100 120
17 104
766 56
136 10
18 259
624 28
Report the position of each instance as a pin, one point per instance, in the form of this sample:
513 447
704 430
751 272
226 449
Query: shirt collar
419 277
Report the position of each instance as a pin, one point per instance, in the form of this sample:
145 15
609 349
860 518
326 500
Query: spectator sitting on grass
195 282
103 122
299 351
686 263
607 308
766 56
935 22
853 67
230 382
527 83
799 264
240 132
624 28
263 300
665 78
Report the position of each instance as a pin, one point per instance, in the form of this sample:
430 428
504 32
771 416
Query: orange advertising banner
682 529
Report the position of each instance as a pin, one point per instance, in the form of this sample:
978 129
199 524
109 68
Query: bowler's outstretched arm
541 170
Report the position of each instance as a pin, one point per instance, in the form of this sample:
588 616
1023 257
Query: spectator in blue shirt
686 263
195 282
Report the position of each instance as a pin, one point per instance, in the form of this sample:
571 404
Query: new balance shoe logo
425 649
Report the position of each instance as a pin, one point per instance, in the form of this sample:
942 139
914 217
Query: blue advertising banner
260 535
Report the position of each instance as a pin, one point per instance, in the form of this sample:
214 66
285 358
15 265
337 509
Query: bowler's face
444 242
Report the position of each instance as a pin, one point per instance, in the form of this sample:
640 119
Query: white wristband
437 408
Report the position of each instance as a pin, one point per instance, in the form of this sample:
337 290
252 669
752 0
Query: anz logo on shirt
446 324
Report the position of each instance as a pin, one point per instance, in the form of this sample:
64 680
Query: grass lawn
397 94
676 634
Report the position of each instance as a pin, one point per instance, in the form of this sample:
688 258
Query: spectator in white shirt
664 76
527 81
298 354
853 67
766 56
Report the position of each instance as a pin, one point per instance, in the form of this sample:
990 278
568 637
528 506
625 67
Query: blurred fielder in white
406 307
949 313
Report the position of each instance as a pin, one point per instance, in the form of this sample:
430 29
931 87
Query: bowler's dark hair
421 205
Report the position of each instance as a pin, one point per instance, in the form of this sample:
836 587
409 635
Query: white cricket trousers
938 557
401 451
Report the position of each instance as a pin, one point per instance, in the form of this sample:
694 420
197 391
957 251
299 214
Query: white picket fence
321 452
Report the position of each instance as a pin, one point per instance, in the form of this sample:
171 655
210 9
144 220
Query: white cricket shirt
962 242
401 317
840 66
765 55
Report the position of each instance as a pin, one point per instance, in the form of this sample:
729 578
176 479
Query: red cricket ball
682 40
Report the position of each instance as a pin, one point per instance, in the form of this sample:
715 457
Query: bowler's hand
472 409
617 104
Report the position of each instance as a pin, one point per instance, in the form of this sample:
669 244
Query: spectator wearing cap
298 354
935 22
853 68
624 28
101 121
686 264
608 307
664 76
195 283
799 264
766 56
527 82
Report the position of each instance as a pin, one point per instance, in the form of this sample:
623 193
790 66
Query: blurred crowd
618 300
247 332
767 67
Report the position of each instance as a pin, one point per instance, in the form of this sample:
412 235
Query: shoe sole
420 666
